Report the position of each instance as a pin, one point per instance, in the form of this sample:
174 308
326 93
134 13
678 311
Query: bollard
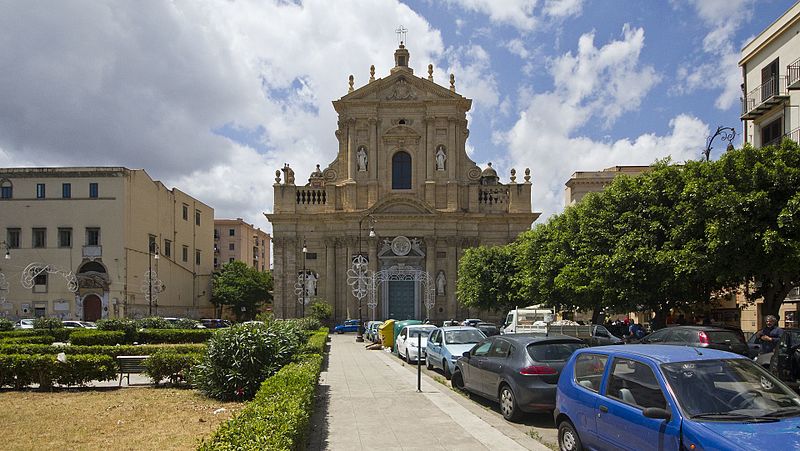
419 362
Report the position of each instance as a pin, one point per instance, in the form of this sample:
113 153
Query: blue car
448 344
673 398
350 325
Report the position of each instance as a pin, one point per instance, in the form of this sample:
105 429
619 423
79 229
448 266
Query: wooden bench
130 364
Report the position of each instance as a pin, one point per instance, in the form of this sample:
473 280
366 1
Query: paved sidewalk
369 400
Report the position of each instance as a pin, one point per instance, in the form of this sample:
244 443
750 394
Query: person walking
770 335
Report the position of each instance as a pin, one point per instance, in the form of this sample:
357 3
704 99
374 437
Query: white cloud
471 65
722 73
591 84
109 83
525 15
517 47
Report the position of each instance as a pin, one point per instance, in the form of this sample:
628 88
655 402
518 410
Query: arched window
401 170
6 189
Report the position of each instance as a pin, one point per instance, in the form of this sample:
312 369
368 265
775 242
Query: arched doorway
92 308
401 289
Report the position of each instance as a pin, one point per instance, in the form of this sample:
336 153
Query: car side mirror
657 413
465 354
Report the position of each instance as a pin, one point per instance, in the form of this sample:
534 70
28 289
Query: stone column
290 253
330 273
352 301
351 150
430 268
451 273
279 269
373 266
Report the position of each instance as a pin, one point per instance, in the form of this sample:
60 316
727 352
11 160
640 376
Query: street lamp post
151 249
726 134
360 336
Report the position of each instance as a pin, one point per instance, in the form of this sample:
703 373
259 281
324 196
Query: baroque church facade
379 232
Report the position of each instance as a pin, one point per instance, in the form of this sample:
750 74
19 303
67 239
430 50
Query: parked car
701 337
350 325
754 344
447 344
24 324
412 340
471 322
673 397
79 324
784 362
215 323
601 336
520 371
185 321
488 329
371 331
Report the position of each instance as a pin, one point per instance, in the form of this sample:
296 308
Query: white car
24 324
408 341
79 324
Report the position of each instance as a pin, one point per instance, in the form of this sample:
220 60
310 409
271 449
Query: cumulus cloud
208 96
593 83
525 15
472 66
722 72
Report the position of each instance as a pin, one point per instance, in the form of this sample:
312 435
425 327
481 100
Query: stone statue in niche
441 283
441 158
361 158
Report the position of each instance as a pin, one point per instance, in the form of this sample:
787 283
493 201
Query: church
379 232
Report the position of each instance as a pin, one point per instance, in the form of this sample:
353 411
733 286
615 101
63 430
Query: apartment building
101 242
235 239
771 71
584 182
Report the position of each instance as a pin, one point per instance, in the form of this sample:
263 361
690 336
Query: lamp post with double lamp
363 272
152 249
726 134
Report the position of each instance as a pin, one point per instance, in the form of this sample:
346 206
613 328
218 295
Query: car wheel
508 404
339 332
446 369
568 439
408 358
458 381
428 363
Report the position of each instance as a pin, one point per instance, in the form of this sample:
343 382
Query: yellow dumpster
386 331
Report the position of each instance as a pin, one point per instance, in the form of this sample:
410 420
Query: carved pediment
401 87
403 205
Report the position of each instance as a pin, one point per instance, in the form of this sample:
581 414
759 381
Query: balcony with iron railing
761 99
794 135
793 75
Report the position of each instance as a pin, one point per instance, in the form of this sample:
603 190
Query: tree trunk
773 294
660 318
596 314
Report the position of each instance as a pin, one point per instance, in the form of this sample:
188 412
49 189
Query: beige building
234 239
81 242
584 182
771 70
401 193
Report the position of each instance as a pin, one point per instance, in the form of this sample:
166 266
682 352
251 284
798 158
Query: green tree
756 238
241 288
488 278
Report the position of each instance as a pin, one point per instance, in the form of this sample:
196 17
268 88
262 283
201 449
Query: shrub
125 325
316 342
278 417
32 339
322 312
153 336
170 365
154 322
47 323
185 323
97 337
21 370
58 334
239 358
309 323
6 325
111 351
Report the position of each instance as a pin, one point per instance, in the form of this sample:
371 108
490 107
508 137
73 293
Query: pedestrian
769 335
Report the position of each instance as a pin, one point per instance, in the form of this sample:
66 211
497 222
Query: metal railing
793 72
794 135
764 93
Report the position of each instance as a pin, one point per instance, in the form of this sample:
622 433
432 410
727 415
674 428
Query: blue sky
213 96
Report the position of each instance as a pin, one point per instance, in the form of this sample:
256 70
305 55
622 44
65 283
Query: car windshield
420 331
729 389
463 337
553 352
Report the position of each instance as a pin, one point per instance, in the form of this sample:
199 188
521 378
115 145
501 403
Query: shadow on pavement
318 434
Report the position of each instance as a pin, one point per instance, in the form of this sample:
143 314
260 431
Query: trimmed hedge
153 336
111 351
31 339
170 365
62 334
97 337
6 324
279 416
22 370
316 341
